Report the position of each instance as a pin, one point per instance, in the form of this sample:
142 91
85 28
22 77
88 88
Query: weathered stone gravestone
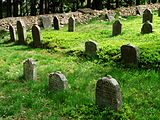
46 22
36 34
29 69
147 28
71 24
147 16
159 12
117 28
130 55
12 33
108 93
91 48
57 82
22 34
109 17
56 23
139 10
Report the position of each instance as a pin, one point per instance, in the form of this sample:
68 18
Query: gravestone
71 24
109 17
108 93
147 16
130 55
147 28
139 10
12 32
36 34
46 22
91 48
22 34
159 12
57 82
117 28
56 23
29 69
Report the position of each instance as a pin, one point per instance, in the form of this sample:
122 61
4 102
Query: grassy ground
20 99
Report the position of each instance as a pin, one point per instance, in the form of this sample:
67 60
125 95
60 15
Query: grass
20 99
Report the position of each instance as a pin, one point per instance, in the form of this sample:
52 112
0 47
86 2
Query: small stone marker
147 16
147 28
130 54
117 28
71 24
12 33
29 69
57 82
46 22
56 23
36 34
139 10
22 34
91 48
108 93
109 17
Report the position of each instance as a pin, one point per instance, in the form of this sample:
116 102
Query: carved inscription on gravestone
36 34
57 82
29 69
108 93
130 54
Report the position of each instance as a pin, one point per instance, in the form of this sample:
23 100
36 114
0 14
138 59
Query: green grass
32 99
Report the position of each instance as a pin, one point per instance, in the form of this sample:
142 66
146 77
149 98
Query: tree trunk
41 7
137 2
97 4
9 8
1 9
117 4
88 3
33 8
46 7
15 8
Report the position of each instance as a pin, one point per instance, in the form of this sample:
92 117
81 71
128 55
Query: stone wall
79 16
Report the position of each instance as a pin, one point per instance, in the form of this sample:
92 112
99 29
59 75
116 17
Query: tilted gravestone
109 17
56 23
139 10
147 16
37 37
29 69
57 82
12 33
130 55
117 28
108 93
91 48
46 22
22 34
71 24
147 28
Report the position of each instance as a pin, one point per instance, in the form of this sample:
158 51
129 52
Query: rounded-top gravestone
57 82
108 93
22 34
91 48
71 24
130 54
56 23
36 34
12 33
147 28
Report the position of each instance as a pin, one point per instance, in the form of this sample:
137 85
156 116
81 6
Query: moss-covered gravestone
108 93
